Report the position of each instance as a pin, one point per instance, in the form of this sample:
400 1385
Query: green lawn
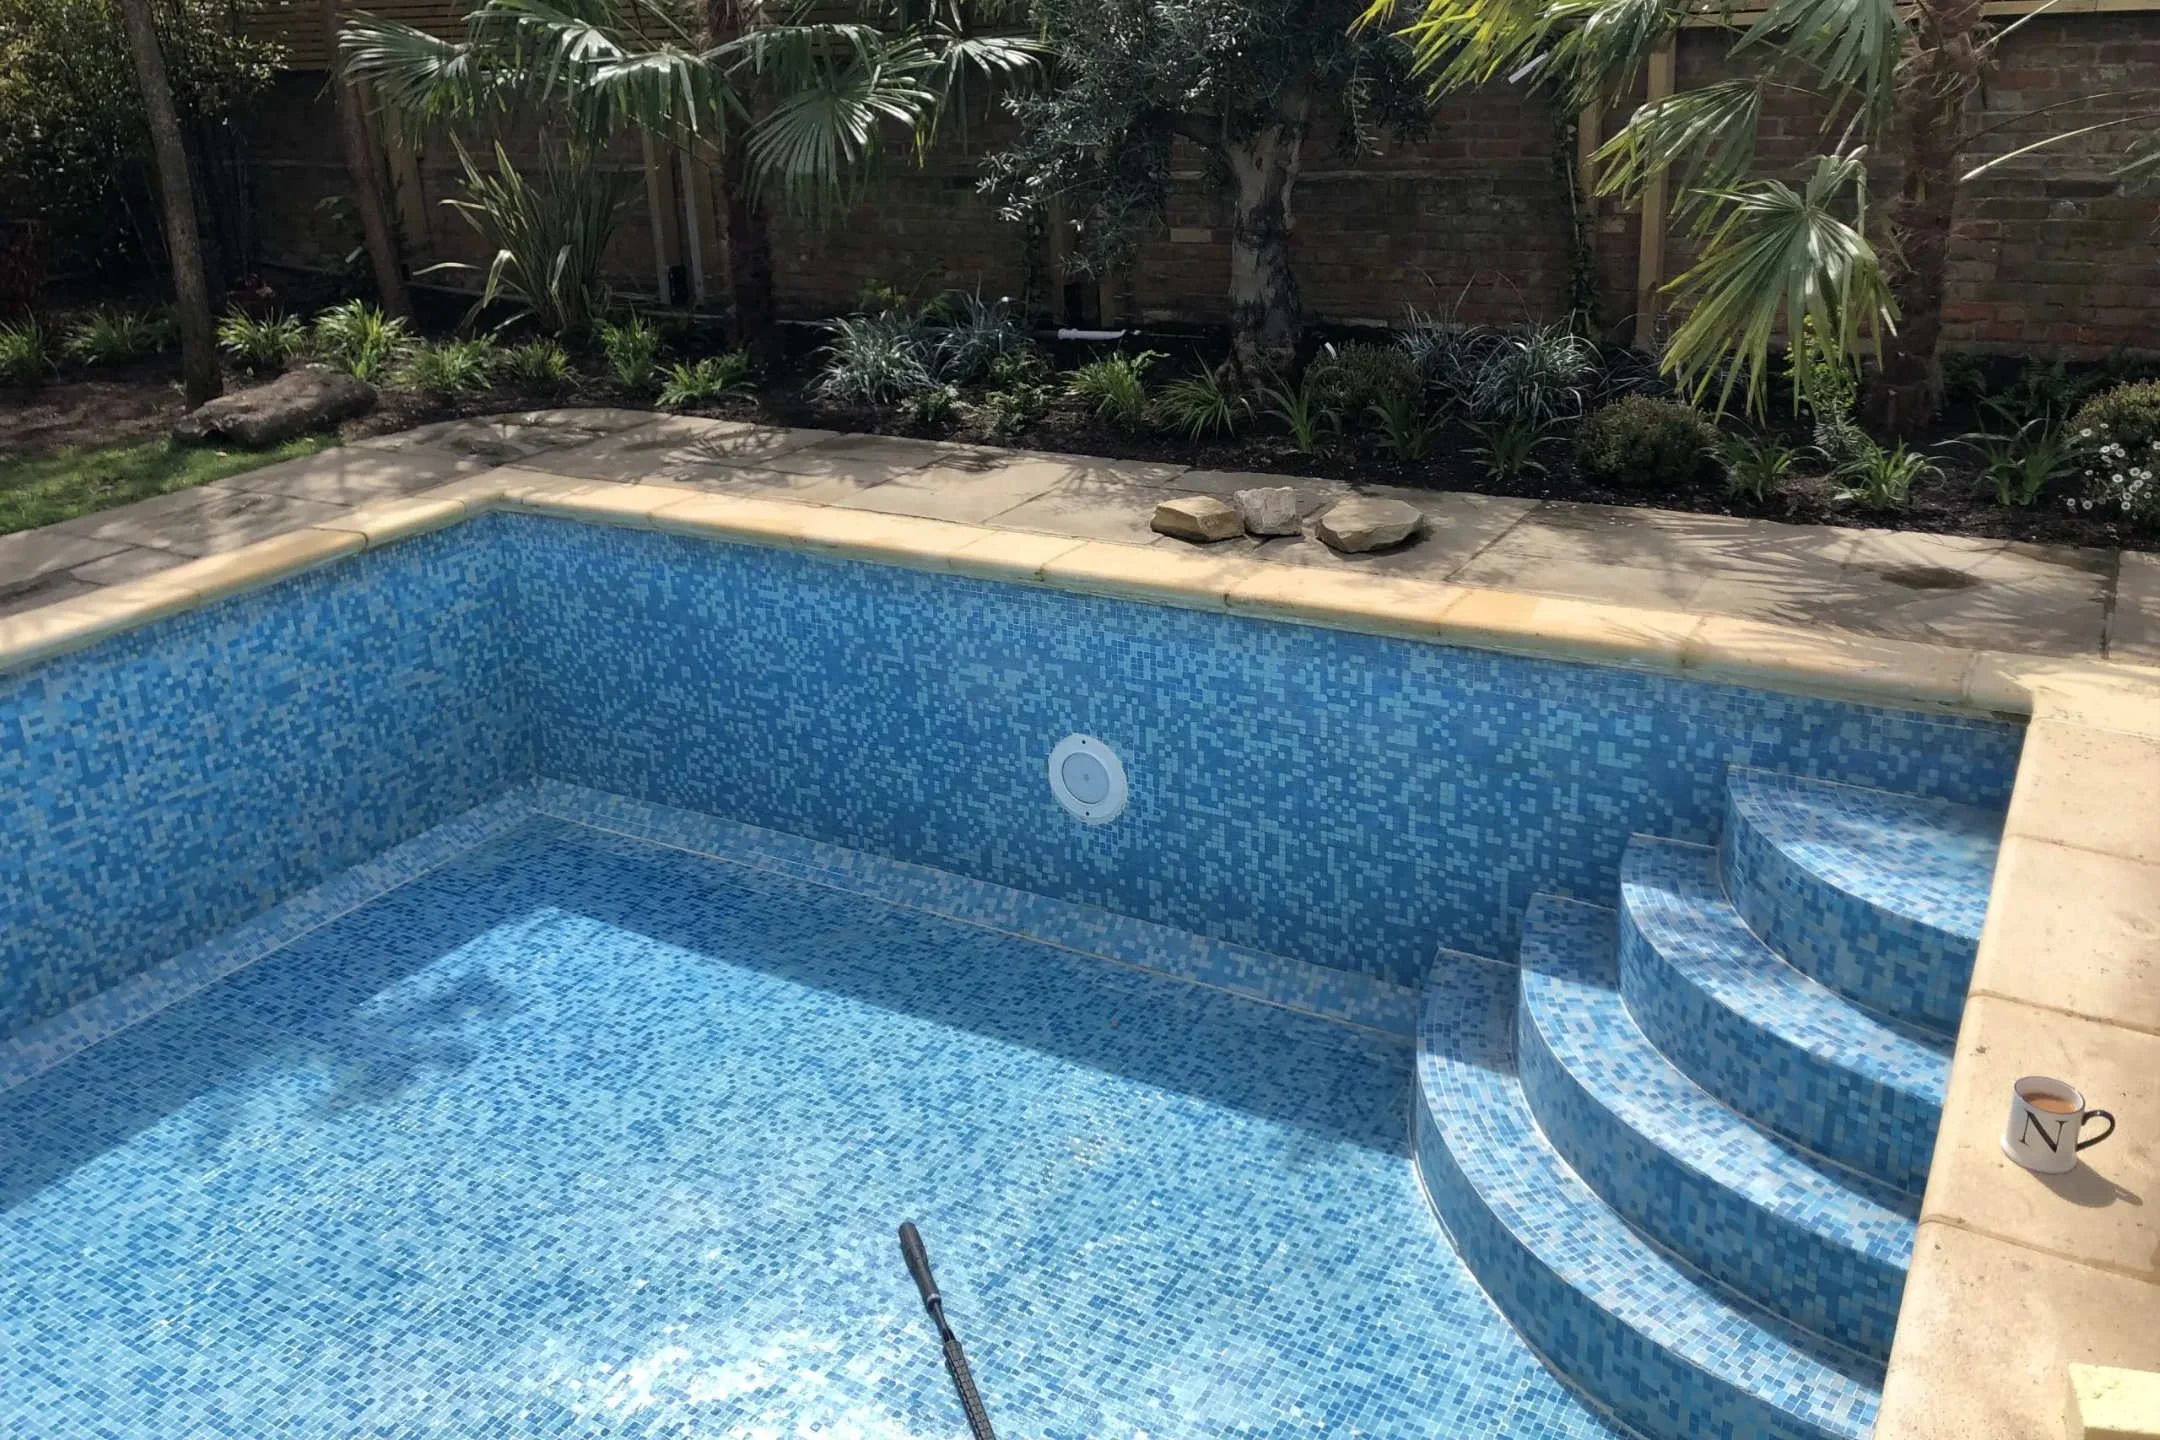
44 489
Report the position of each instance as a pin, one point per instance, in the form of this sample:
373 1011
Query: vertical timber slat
1650 264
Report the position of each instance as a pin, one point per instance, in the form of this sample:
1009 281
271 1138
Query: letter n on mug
2046 1116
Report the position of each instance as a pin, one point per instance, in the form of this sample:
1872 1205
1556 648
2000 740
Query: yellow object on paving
2110 1404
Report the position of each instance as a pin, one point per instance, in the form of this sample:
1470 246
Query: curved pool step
1877 895
1666 1351
1774 1044
1809 1239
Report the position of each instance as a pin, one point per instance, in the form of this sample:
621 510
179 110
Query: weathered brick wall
2051 257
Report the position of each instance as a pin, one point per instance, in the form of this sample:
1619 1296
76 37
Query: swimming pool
609 936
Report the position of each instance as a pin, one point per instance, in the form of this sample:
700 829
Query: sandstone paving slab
353 475
27 554
1092 510
948 492
760 445
1660 539
132 563
637 452
49 588
2134 627
1649 587
202 521
868 458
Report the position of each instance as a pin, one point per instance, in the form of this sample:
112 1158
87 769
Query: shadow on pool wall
1341 799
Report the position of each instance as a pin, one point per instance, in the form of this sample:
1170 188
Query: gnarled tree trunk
1266 312
364 171
1942 68
176 192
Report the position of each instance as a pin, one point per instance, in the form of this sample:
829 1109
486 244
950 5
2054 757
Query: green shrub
1115 387
1643 443
1883 479
632 349
74 144
1756 465
548 229
262 345
1508 449
357 337
450 368
1354 378
709 381
934 404
114 337
2018 464
1407 429
25 358
876 359
1305 412
540 365
2118 433
1204 403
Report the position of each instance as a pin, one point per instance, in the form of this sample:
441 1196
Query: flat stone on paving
2134 629
1360 523
1458 527
202 521
27 554
1270 509
1199 519
352 475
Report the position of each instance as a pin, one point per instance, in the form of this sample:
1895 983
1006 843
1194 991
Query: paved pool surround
2008 1284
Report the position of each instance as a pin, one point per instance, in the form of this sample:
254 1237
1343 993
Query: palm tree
1815 257
183 239
791 112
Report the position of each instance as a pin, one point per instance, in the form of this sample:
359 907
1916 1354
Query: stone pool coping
2013 1278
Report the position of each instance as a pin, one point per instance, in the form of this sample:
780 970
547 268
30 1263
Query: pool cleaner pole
918 1264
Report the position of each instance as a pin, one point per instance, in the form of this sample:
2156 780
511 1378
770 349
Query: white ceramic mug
2046 1115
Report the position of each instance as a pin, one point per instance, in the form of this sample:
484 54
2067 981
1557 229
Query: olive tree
1244 81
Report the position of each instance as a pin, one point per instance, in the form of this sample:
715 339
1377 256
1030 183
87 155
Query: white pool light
1088 779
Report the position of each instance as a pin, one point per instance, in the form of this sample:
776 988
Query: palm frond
1852 46
1704 137
1775 258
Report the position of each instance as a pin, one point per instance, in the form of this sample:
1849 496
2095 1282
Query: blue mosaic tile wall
1341 800
1346 800
161 788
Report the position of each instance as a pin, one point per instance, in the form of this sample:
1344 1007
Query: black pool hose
918 1264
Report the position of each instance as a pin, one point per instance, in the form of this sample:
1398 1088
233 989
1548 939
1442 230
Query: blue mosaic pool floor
577 1135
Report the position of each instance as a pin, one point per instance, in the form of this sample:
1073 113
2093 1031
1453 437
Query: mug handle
2098 1115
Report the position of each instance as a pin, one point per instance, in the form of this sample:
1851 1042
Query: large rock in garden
1199 518
1268 510
313 397
1362 523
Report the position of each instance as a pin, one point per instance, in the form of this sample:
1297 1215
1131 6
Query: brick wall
2050 257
